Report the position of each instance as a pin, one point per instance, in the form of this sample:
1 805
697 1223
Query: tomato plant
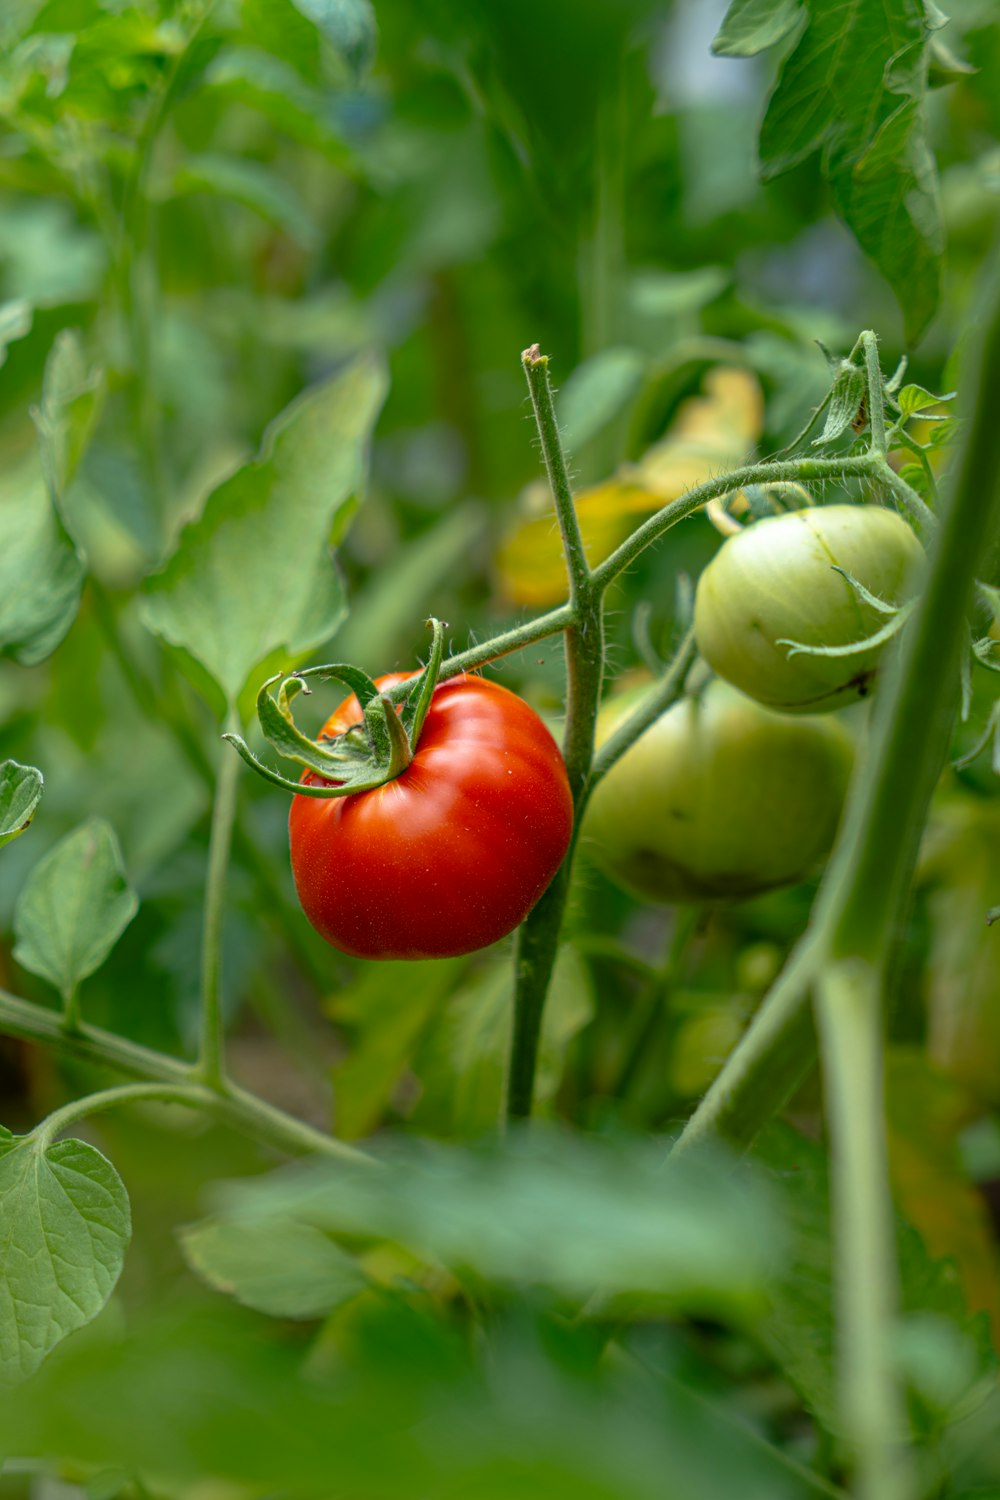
775 585
719 798
454 852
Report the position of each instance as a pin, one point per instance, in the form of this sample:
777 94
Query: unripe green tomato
719 798
776 581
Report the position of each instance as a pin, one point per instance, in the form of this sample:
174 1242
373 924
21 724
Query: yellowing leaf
926 1110
709 434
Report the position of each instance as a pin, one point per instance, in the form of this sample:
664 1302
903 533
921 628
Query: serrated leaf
20 794
41 572
750 26
846 396
547 1209
854 88
913 398
66 1227
253 576
74 906
15 322
348 25
250 183
277 1265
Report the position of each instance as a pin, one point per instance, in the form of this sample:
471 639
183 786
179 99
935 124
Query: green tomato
719 798
776 581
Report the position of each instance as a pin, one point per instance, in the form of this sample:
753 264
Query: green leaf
752 25
15 322
65 419
41 572
597 391
913 398
253 576
854 88
547 1209
845 402
799 1329
268 84
277 1266
74 907
349 27
66 1227
249 183
20 794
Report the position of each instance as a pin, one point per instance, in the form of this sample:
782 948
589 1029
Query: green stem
657 701
910 503
537 940
71 1008
536 369
233 1107
849 1015
211 1056
191 1095
799 470
876 402
652 1001
861 897
553 623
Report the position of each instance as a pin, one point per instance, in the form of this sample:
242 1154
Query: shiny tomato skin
451 855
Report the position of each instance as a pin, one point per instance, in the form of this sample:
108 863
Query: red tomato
452 854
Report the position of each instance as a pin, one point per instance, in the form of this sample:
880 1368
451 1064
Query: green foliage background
205 211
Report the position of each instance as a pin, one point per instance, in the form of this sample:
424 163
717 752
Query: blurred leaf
66 1227
74 907
266 83
200 1398
250 183
913 398
709 434
544 1208
253 576
276 1266
349 27
401 591
386 1008
854 88
20 794
961 873
926 1112
752 25
65 419
597 391
15 322
799 1329
41 573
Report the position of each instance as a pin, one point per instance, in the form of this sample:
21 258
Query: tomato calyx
368 754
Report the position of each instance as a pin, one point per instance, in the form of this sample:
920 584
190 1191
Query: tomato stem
233 1106
537 940
211 1055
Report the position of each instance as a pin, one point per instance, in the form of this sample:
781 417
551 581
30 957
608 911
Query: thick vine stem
211 1058
233 1106
869 873
849 1016
537 940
